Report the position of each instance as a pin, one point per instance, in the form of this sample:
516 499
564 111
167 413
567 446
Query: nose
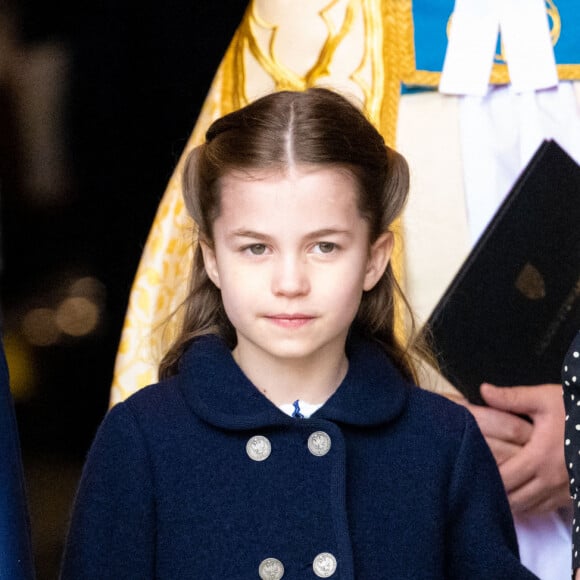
290 276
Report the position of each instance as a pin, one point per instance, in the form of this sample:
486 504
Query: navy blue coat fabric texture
409 488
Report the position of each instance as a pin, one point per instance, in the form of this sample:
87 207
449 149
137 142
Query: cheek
233 306
239 291
345 288
351 298
353 289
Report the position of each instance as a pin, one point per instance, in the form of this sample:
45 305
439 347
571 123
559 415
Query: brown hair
280 130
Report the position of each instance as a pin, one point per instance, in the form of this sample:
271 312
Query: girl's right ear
210 262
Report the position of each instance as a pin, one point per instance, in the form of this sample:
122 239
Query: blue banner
431 21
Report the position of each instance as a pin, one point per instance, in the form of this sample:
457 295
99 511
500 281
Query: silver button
271 569
319 443
324 565
258 448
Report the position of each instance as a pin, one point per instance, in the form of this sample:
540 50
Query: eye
324 248
256 249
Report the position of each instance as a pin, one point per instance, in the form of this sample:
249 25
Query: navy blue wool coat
408 490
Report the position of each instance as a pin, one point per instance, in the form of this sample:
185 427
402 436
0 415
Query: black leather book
511 312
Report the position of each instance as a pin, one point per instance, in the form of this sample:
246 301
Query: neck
285 381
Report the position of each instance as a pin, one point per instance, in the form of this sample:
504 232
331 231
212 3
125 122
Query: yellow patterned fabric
359 47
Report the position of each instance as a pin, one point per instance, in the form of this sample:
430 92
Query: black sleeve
571 389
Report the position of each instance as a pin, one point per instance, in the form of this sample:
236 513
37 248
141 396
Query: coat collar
372 393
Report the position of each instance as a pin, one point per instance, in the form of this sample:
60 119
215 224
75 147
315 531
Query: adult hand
530 456
505 433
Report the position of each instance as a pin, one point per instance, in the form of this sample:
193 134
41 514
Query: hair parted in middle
277 132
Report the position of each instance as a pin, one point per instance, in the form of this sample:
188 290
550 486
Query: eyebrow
248 234
322 233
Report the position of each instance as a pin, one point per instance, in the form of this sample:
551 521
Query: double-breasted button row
324 566
259 447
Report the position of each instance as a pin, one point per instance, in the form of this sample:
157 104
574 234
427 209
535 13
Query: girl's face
292 258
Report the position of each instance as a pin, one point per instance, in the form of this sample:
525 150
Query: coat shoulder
157 403
438 414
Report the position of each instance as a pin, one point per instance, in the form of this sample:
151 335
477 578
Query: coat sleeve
111 533
482 542
571 388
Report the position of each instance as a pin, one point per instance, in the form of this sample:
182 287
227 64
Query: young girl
286 438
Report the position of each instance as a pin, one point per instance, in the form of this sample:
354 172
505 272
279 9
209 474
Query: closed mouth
290 320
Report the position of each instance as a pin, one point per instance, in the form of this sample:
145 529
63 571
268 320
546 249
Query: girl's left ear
379 256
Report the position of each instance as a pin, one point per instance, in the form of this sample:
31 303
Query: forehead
305 190
336 180
291 173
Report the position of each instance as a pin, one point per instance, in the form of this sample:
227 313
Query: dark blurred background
97 101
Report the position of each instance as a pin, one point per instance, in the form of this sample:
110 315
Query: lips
290 320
